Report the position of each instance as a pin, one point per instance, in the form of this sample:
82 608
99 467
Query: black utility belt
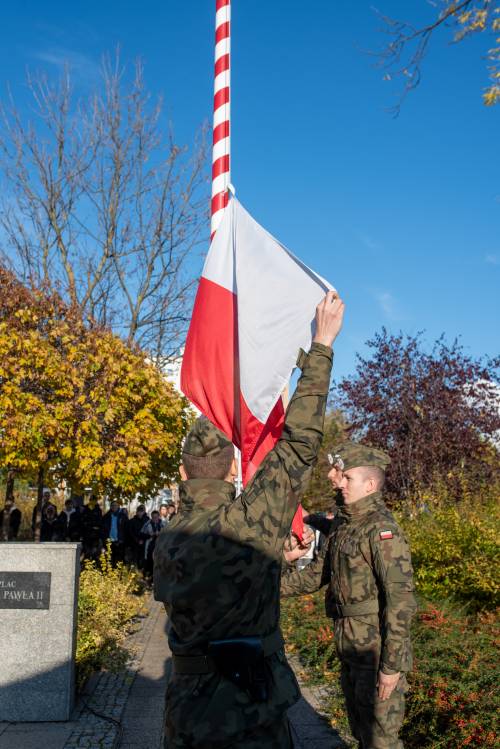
239 659
233 647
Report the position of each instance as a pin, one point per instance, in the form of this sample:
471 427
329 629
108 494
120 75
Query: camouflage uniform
370 596
218 568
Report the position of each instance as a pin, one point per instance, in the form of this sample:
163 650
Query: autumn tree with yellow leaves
402 57
76 401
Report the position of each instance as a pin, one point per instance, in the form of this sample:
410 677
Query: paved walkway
142 720
311 728
125 710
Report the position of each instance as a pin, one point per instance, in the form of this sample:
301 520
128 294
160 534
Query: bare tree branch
402 57
101 206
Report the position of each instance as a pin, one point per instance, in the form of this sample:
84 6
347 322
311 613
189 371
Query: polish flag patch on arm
385 535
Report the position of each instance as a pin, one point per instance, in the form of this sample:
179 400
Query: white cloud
389 305
386 303
492 259
369 242
83 67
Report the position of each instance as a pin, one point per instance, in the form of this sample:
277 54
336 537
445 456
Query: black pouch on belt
242 661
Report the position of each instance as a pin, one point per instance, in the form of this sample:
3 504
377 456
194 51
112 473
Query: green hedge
456 553
453 699
454 695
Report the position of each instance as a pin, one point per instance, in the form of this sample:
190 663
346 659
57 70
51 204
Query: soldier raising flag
218 567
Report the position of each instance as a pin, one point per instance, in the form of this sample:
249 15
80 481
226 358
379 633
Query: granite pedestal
38 619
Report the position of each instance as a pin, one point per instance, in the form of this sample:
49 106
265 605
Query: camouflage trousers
374 723
274 736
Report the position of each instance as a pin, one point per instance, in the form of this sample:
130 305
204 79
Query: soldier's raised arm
271 498
303 431
296 582
393 568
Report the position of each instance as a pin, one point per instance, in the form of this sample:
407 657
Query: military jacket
367 559
218 568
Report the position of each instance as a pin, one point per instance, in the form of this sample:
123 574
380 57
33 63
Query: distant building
491 400
171 369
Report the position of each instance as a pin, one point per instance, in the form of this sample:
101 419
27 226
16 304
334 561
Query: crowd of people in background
131 539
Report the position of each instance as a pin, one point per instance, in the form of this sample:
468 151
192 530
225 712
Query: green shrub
108 600
454 697
456 553
308 634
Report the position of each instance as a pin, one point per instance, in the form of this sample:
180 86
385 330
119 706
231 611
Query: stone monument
38 619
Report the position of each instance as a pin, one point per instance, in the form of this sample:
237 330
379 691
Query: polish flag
254 309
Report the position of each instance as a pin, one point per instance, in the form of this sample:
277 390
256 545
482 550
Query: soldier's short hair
374 472
209 466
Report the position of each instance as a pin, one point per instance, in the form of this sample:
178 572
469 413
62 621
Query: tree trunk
38 516
9 495
9 489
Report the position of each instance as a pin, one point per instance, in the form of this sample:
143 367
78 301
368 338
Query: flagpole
221 148
221 142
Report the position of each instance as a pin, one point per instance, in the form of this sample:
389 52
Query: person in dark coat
150 532
92 529
115 530
10 520
46 502
51 529
70 522
134 538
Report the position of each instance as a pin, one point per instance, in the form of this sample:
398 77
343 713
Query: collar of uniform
206 493
362 506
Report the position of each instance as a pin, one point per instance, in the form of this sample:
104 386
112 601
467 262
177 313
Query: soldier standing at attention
370 596
218 566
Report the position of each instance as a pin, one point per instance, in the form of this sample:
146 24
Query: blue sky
402 215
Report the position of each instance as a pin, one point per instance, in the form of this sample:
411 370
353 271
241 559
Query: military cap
204 439
348 455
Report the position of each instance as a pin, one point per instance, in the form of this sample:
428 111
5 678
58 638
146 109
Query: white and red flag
254 309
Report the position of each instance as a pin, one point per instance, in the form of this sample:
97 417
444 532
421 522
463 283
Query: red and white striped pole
221 174
221 148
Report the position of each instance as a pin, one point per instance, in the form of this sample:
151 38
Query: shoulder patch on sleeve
385 535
